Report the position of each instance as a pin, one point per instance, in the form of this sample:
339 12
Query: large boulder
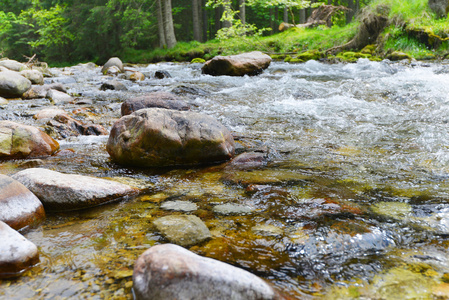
19 207
154 99
251 63
17 254
65 192
439 7
13 85
23 141
171 272
183 230
155 137
13 65
113 62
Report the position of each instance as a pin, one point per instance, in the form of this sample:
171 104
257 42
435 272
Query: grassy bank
412 31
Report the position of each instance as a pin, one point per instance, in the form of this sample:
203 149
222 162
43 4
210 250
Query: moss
296 60
398 55
198 60
310 55
288 58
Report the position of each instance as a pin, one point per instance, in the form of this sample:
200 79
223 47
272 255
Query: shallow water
351 203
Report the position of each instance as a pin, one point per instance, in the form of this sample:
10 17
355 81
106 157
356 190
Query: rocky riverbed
337 189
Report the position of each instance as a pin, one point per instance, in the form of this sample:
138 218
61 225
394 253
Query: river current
351 203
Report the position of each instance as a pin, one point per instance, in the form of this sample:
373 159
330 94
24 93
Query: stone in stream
17 254
171 272
113 62
155 137
40 91
19 207
65 192
23 141
137 76
154 99
13 65
250 63
248 160
66 126
113 85
13 85
184 230
161 74
57 97
34 76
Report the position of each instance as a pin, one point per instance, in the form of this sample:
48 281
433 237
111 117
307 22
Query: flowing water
351 203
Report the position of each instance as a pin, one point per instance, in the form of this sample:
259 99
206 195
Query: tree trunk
242 9
205 21
196 21
160 25
218 13
227 12
285 14
350 13
276 19
168 25
302 16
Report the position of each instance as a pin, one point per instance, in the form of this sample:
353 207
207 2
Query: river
352 201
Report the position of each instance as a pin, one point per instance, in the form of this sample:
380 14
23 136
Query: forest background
141 31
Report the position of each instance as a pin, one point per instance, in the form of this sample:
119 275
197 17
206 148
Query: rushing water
351 203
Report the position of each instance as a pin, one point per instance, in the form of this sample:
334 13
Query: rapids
353 201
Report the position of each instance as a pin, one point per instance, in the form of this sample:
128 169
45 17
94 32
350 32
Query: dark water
352 202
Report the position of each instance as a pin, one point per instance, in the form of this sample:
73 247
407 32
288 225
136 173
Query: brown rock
155 99
19 207
17 254
22 141
251 63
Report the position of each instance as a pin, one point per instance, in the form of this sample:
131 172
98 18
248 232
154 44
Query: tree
196 20
166 30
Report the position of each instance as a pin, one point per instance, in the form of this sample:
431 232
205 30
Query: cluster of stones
155 130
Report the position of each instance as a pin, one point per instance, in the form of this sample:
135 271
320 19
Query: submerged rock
155 99
113 62
65 192
155 137
13 85
184 230
19 207
161 74
17 254
171 272
251 63
23 141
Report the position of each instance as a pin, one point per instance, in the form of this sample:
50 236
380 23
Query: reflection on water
351 203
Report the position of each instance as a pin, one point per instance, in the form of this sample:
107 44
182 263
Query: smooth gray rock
65 192
13 65
232 209
35 76
185 206
113 62
171 272
156 100
40 91
58 97
113 85
250 63
155 137
17 254
184 230
19 207
13 85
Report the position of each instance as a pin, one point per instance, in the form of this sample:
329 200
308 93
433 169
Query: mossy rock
310 55
397 55
296 60
288 58
347 57
370 49
198 60
278 56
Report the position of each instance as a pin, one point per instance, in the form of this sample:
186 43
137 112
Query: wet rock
40 91
113 85
232 209
155 137
113 62
185 206
57 97
19 207
137 76
189 90
155 99
267 230
48 113
17 254
34 76
161 74
248 160
12 84
13 65
251 63
22 141
172 272
65 192
183 230
397 55
114 71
